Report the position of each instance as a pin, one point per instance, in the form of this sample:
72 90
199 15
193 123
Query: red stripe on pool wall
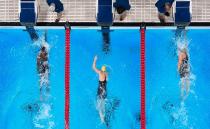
67 76
143 126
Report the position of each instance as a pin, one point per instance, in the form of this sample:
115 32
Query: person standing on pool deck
101 93
43 68
184 71
164 9
56 6
122 6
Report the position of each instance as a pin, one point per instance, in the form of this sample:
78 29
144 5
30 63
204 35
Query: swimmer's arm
179 62
38 62
94 65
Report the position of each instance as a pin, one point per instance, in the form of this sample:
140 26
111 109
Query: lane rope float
142 70
67 74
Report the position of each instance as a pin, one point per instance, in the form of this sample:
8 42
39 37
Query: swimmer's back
102 76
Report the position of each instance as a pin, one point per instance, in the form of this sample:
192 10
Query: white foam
181 115
42 42
44 118
101 109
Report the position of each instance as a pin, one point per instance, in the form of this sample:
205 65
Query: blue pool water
122 62
164 109
19 82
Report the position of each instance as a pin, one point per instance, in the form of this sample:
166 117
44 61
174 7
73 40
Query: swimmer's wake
178 115
40 115
106 108
184 67
43 68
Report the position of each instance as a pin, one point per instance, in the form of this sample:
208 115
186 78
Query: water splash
180 116
44 78
101 109
106 108
44 118
42 42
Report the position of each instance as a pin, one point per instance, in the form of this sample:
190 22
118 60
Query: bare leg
187 87
59 16
123 15
47 80
101 109
40 85
41 93
182 89
161 17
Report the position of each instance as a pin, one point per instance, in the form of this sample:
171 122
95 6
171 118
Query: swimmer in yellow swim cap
102 79
103 68
101 93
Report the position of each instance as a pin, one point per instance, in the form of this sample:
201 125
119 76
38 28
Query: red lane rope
143 125
67 77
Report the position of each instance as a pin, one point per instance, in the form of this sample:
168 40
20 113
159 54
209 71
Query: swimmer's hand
95 58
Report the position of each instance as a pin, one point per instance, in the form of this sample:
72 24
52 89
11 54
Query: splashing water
42 42
44 118
106 108
101 109
180 116
44 78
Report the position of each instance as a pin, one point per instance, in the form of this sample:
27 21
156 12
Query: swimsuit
184 68
43 67
102 89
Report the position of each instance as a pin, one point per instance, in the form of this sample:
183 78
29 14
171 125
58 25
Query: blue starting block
104 12
28 12
182 12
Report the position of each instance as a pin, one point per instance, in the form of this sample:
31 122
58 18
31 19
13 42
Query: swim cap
43 48
183 50
103 68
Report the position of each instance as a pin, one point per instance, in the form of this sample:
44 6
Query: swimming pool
19 85
164 109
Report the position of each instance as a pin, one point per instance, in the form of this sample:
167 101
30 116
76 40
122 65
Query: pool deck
84 11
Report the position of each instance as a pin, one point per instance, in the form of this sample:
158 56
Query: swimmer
164 9
184 72
101 93
102 79
42 61
43 67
